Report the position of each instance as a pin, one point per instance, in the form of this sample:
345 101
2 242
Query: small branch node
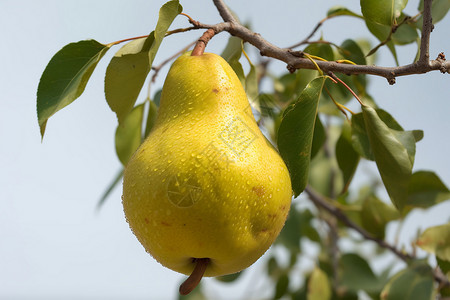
296 53
291 68
391 78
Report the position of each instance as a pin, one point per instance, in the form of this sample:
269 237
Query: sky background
53 242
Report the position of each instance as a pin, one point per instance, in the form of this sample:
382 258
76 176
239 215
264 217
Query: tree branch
295 59
224 12
318 200
427 27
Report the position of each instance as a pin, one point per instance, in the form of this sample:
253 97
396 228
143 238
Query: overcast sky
53 243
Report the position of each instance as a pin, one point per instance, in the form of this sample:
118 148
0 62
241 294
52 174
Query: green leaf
319 287
232 53
418 135
251 88
229 278
394 154
376 214
129 134
289 86
233 49
324 176
110 188
151 118
346 156
360 139
436 240
382 11
307 228
341 11
405 34
351 51
299 294
125 76
366 45
237 68
356 274
425 190
157 97
129 68
444 265
298 225
439 9
281 286
389 120
291 233
414 283
319 137
268 105
251 84
295 134
272 266
167 14
322 50
196 294
65 77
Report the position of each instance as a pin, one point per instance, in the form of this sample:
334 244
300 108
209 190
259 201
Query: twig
306 40
389 37
318 25
224 11
427 27
320 201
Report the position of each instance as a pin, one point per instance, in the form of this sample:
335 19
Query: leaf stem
310 57
189 17
126 40
347 87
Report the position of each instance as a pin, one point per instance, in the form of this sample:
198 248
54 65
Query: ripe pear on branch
206 194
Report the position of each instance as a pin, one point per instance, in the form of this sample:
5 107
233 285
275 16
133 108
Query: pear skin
206 183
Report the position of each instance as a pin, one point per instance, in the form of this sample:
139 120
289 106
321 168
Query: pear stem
202 42
194 279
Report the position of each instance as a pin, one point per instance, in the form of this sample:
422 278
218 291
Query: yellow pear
205 184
